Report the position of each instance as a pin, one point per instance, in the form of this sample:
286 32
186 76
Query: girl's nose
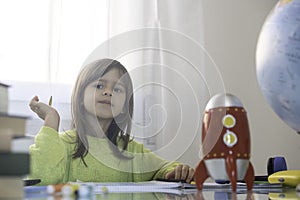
107 93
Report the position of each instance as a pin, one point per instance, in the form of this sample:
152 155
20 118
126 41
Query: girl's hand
181 172
45 112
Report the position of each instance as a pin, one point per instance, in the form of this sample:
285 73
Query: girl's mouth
105 102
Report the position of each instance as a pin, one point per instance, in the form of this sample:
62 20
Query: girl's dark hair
120 127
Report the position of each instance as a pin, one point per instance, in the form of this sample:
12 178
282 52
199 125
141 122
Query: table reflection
289 194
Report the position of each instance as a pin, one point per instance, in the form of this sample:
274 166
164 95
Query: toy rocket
225 143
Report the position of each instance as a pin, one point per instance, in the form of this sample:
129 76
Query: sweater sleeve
49 157
148 165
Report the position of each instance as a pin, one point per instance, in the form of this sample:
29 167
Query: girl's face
106 97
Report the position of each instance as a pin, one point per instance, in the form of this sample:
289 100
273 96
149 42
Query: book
14 164
11 187
21 144
4 97
171 188
6 137
147 186
15 123
121 187
178 188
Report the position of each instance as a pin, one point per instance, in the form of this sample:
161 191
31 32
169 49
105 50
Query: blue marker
35 189
35 192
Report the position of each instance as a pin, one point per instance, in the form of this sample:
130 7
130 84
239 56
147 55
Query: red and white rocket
225 143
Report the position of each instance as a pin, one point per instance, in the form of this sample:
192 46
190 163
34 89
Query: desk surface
290 194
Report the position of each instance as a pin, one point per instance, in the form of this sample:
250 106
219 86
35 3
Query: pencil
50 101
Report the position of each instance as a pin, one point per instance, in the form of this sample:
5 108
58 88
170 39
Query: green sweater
52 162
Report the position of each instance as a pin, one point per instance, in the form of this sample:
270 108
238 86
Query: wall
231 29
231 32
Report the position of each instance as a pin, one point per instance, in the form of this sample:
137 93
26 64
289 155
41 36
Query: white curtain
159 41
43 45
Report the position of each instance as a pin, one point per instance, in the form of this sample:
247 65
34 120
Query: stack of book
3 97
12 170
14 164
15 123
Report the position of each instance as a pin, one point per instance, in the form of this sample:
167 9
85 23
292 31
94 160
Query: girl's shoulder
137 147
68 136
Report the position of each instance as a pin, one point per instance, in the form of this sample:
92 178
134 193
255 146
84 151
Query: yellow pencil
50 101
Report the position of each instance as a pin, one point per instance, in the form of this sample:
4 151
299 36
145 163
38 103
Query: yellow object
287 195
50 101
104 190
229 121
287 177
69 189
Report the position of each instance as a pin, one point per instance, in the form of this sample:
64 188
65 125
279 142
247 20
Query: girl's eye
118 90
99 86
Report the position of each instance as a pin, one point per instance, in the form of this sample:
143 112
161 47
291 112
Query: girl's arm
148 165
45 112
173 170
49 154
49 157
181 172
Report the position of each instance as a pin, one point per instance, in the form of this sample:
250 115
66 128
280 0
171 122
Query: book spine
14 164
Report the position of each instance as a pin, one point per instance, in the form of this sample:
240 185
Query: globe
278 61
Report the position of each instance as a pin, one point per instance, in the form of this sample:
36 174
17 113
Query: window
48 41
43 46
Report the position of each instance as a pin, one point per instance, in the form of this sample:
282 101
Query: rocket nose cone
223 100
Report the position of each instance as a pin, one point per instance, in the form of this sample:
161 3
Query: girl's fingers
33 101
190 176
170 174
178 171
181 172
184 172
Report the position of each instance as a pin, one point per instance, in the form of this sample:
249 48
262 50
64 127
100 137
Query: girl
98 147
